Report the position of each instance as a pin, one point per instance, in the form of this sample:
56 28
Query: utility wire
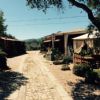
50 23
42 19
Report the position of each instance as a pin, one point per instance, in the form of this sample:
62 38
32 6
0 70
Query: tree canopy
3 27
91 7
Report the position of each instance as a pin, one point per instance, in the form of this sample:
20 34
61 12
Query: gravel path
41 85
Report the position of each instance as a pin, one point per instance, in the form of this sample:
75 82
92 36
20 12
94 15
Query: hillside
33 44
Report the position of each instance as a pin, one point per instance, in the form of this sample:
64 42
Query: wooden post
53 39
65 44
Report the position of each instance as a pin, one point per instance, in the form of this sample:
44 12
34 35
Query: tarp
86 36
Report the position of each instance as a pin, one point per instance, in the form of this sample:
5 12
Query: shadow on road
9 82
84 91
15 55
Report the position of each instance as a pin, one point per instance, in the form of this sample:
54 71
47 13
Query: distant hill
33 44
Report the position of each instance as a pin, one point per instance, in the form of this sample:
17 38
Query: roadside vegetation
3 27
33 44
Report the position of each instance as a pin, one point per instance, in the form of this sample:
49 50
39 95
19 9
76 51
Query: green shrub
56 54
67 60
93 76
57 62
97 71
90 76
65 67
2 53
2 59
81 69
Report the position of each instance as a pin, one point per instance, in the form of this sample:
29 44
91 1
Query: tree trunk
91 17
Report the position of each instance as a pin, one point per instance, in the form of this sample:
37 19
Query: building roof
9 39
71 32
57 40
85 36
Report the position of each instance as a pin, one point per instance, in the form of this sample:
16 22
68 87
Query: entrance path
41 85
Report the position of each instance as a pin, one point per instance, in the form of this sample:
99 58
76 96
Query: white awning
85 36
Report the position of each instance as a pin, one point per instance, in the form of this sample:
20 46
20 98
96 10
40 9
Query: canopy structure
79 41
85 37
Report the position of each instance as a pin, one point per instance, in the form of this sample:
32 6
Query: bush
67 60
90 76
65 67
97 71
93 76
2 53
2 59
81 69
56 54
57 62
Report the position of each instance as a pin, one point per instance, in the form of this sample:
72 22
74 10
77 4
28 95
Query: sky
25 23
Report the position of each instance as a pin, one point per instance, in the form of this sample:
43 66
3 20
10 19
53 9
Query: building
92 41
62 41
12 47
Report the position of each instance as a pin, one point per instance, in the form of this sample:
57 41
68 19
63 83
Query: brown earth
58 83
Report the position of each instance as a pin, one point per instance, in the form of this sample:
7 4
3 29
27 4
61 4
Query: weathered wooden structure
62 41
93 42
12 47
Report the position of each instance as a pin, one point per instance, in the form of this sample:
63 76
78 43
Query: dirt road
41 84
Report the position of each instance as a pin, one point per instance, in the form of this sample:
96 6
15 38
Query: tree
91 7
2 26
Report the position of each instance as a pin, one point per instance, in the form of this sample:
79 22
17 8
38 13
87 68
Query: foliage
91 3
90 75
93 76
91 7
44 4
65 67
86 50
57 62
97 45
67 60
56 54
2 59
3 27
81 69
90 28
33 44
2 53
98 74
